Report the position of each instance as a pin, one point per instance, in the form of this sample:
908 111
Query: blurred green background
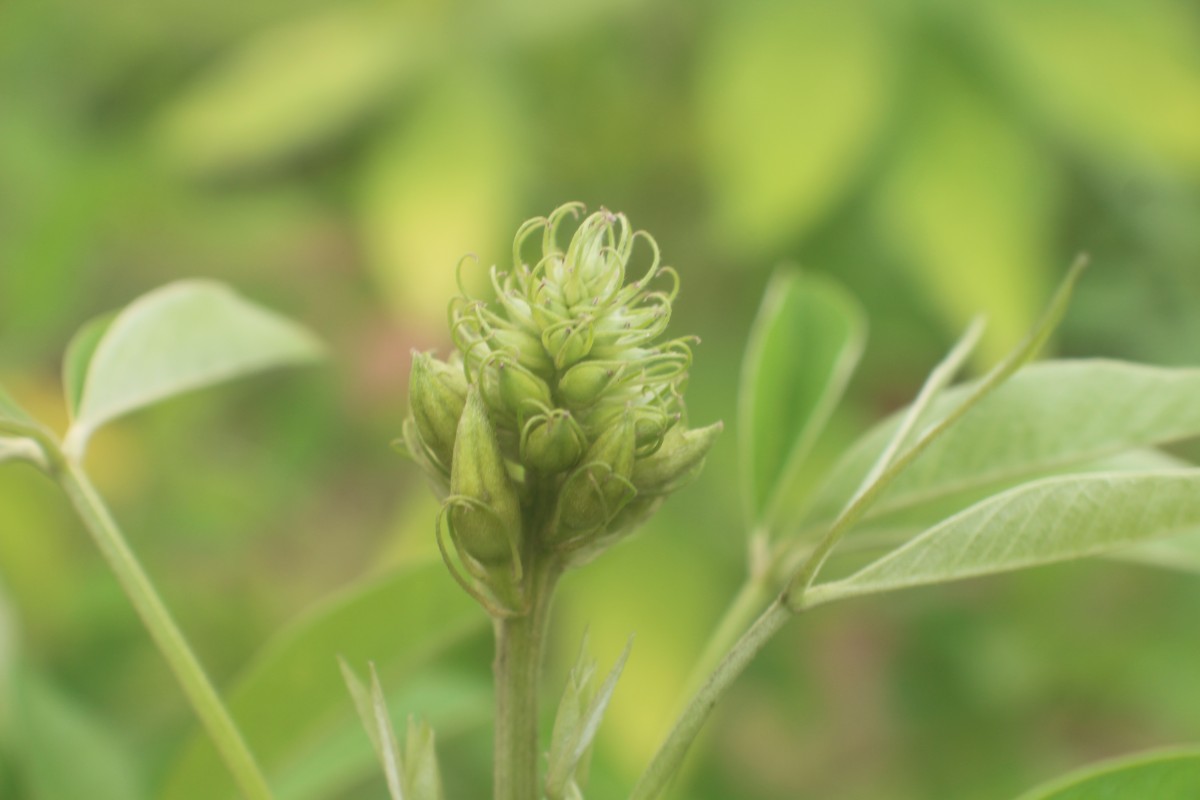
334 159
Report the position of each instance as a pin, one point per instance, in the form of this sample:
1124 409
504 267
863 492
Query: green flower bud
584 384
437 393
485 511
676 462
568 342
594 493
523 393
527 349
552 443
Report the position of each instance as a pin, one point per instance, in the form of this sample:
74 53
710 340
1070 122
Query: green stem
754 596
166 634
670 754
520 643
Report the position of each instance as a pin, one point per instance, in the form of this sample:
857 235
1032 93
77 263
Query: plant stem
163 630
670 754
754 596
520 643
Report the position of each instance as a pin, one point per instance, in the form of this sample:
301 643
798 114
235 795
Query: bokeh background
334 159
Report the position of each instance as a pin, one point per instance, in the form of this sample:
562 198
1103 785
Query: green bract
583 402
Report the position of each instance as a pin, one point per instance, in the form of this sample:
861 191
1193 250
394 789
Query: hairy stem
520 644
163 630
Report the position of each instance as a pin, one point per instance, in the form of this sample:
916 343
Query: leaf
1102 73
10 411
967 203
65 751
22 445
579 715
1178 553
1172 774
79 357
804 346
784 144
291 702
1048 417
387 745
1047 521
174 339
262 104
445 183
377 731
423 778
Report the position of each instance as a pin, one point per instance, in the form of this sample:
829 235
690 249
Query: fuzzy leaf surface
1047 521
1048 417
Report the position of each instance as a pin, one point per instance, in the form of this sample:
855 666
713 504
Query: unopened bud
552 442
486 512
527 349
569 343
523 393
594 493
437 393
584 384
676 462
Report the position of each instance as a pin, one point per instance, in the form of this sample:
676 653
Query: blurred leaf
79 357
292 88
446 183
1120 79
65 752
792 97
1178 552
579 715
803 348
1049 416
291 702
1051 520
423 778
184 336
1163 775
10 411
372 709
967 204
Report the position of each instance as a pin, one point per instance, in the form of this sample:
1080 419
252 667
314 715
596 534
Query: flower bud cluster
557 425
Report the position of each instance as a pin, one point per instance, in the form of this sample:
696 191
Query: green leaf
10 411
373 713
65 751
1047 521
1047 418
804 346
1178 553
184 336
291 703
784 144
1102 73
388 745
440 185
977 245
1172 774
79 357
422 778
262 104
19 433
578 719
